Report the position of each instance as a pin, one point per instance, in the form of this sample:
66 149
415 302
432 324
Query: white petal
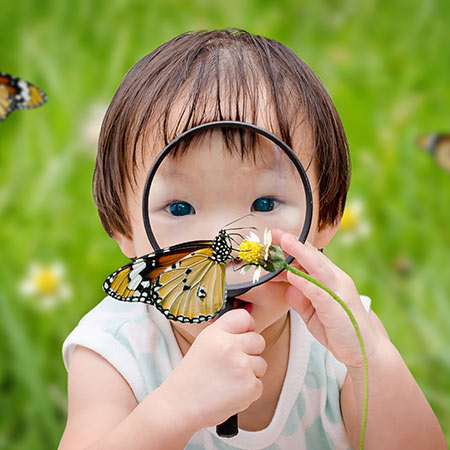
254 237
27 287
47 302
65 292
357 205
58 269
364 229
267 238
256 274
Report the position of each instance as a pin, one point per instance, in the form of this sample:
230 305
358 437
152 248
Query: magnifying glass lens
240 182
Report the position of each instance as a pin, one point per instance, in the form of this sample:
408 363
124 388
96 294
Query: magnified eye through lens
180 208
264 204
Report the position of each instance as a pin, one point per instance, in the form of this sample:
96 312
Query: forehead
247 149
213 150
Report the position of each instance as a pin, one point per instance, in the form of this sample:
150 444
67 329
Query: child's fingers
315 263
252 343
301 304
236 321
320 300
258 365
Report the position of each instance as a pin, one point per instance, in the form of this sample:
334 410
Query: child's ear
126 244
324 236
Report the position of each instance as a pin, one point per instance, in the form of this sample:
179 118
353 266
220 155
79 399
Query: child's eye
180 208
264 204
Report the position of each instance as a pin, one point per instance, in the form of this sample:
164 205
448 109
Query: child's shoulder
130 336
112 315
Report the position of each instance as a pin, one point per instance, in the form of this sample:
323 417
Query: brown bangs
205 76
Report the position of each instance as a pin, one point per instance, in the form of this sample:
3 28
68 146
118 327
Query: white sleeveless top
138 341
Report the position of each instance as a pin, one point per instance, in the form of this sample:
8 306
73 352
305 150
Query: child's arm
206 388
399 416
103 409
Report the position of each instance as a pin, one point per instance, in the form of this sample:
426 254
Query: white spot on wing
137 268
24 90
134 283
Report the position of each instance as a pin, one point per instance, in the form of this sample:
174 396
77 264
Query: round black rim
235 289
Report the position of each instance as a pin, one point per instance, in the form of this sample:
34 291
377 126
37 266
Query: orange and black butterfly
16 94
186 282
438 145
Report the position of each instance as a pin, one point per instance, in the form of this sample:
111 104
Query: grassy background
384 63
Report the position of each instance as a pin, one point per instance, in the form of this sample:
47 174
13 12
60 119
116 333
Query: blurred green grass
384 64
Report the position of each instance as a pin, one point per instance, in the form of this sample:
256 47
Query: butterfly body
186 282
16 94
438 145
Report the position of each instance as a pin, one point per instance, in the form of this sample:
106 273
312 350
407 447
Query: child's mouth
234 303
238 303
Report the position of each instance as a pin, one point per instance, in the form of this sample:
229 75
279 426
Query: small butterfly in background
186 282
438 145
16 94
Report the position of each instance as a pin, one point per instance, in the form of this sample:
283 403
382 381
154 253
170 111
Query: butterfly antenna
235 234
236 220
230 242
241 228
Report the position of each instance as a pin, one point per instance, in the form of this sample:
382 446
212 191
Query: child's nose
210 227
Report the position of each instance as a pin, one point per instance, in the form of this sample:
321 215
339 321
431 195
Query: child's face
194 196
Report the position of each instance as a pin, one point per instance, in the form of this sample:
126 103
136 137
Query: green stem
360 339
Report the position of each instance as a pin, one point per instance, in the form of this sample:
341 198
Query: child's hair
205 76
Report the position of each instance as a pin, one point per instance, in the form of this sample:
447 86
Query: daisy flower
253 253
46 283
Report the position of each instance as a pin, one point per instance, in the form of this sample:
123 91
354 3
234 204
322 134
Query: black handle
229 428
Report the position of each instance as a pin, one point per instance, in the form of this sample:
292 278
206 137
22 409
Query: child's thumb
236 321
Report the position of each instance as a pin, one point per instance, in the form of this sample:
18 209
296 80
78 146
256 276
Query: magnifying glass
211 188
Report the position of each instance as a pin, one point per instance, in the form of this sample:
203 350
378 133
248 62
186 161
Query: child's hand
324 317
220 374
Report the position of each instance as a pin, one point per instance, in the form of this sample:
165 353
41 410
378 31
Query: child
289 362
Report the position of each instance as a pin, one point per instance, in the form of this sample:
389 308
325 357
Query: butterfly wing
23 95
438 145
133 281
442 153
193 289
5 102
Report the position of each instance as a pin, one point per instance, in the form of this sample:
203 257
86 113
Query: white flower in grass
353 223
254 254
46 283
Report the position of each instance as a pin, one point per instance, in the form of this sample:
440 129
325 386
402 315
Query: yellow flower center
251 252
46 281
349 219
